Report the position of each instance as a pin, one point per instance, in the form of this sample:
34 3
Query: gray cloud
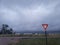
30 14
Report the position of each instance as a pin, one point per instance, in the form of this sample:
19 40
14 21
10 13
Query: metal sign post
45 27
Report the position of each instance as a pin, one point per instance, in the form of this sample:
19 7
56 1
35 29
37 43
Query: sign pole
46 37
45 27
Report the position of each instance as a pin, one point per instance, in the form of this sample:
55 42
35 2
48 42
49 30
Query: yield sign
45 26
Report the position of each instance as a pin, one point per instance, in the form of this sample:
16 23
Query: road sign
45 26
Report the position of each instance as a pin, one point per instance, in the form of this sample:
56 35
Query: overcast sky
28 15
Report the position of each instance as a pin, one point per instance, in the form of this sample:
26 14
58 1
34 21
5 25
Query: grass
54 40
39 41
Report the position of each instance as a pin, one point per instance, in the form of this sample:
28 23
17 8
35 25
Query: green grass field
39 41
53 39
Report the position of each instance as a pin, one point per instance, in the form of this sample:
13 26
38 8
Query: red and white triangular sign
45 26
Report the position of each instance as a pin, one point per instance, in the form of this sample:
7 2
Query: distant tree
11 30
5 29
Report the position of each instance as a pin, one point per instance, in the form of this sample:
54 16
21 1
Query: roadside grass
53 39
39 41
31 35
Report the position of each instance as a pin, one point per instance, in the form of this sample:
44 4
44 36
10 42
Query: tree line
6 30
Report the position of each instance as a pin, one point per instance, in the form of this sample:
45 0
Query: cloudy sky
28 15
